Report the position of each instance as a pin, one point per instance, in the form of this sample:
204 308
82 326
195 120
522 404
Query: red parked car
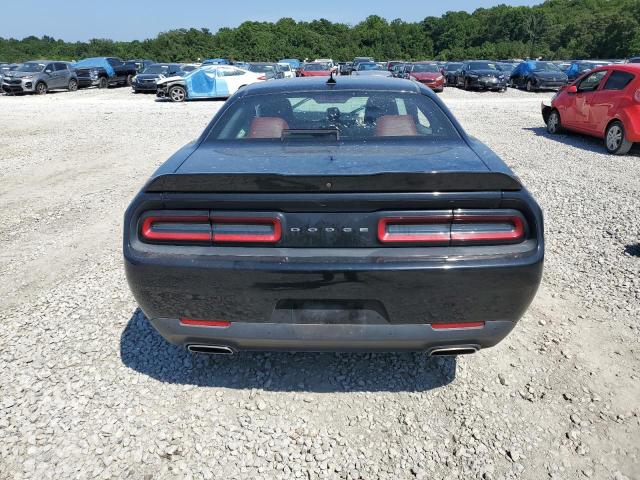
604 103
316 70
427 73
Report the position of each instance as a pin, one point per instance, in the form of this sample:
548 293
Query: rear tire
41 88
103 82
466 84
129 80
530 87
615 139
553 123
177 94
73 85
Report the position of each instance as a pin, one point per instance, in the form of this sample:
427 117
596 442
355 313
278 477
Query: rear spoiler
379 182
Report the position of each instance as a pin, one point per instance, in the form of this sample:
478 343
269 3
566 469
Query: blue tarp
216 61
95 62
203 82
524 68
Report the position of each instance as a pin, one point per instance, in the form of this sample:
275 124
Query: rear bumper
267 300
320 338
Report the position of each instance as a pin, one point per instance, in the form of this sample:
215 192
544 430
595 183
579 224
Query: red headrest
396 126
267 127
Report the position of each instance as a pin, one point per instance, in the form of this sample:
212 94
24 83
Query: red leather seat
267 127
396 126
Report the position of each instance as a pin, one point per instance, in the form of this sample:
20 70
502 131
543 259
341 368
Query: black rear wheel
615 139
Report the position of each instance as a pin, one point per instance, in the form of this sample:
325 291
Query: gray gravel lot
89 390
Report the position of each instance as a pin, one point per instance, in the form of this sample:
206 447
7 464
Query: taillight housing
455 228
203 227
183 227
246 229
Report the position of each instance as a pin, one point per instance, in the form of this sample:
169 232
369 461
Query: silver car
39 77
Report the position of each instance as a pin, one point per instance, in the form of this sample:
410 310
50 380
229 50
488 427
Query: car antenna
331 81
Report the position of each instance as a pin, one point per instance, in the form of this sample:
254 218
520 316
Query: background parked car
536 75
270 71
634 60
481 75
146 81
216 61
39 77
371 69
398 70
287 71
451 70
507 68
6 67
208 81
345 68
315 70
141 64
294 63
579 68
427 73
604 103
104 72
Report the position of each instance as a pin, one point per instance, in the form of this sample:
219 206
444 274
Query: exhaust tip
449 351
211 349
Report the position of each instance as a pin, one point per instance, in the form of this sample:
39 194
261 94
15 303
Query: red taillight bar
456 325
272 237
148 233
205 323
516 233
385 237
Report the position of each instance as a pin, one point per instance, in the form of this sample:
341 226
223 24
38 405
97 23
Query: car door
49 76
604 102
62 75
587 88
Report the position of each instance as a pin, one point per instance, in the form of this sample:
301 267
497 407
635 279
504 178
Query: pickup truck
104 72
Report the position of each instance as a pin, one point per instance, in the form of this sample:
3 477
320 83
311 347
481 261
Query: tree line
555 29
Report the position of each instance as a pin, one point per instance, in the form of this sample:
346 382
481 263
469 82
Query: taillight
486 228
458 227
246 230
176 228
431 229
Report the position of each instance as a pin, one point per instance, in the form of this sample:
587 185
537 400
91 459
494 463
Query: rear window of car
347 116
618 80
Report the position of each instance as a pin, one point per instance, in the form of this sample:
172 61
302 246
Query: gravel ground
89 390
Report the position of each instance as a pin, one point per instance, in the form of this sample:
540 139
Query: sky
81 20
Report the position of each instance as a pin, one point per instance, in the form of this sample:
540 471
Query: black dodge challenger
345 215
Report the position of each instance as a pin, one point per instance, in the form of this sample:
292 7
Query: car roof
303 84
624 67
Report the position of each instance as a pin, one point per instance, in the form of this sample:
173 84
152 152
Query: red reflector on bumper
457 325
204 323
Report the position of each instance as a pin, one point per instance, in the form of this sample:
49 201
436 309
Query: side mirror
48 70
572 89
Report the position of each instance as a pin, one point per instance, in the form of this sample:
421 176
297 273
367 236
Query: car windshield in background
544 67
583 67
370 66
426 67
30 67
262 68
452 67
316 67
482 66
506 67
347 116
157 69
